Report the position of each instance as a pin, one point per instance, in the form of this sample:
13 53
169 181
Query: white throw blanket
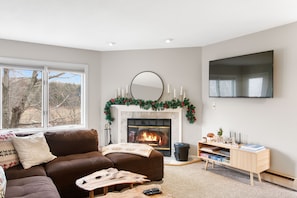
132 148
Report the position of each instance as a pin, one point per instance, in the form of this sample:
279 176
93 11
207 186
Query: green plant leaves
154 105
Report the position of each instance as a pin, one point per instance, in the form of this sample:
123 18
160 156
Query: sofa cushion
31 187
8 154
77 141
65 170
32 150
18 171
152 167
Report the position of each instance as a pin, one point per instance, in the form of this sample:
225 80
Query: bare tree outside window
23 98
64 98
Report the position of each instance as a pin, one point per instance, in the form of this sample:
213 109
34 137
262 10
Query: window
255 87
35 96
64 98
222 88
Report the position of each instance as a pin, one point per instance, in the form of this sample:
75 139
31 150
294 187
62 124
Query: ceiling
139 24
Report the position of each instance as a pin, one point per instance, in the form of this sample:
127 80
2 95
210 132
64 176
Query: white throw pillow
3 183
32 150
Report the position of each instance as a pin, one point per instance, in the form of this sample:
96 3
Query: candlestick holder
107 131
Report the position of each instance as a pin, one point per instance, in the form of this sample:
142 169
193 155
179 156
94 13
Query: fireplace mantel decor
154 105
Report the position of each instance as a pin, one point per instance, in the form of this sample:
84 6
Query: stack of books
209 148
252 147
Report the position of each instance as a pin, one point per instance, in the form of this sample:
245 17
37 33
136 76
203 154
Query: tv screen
247 76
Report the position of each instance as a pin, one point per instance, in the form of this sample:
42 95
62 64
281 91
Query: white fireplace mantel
121 113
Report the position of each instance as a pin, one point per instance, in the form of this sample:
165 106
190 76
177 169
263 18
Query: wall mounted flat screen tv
247 76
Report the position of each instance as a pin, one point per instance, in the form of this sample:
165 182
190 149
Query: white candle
119 92
123 93
181 91
184 94
168 88
127 90
174 93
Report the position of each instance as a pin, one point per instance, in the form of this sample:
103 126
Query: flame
152 138
149 137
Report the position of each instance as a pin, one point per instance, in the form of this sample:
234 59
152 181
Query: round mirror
147 85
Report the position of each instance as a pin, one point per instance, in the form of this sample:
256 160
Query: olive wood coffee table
108 177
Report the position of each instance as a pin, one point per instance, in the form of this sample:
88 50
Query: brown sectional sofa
77 155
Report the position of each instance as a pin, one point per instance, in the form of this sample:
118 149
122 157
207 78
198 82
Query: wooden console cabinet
228 155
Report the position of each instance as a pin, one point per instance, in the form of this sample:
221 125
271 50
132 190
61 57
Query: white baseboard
280 179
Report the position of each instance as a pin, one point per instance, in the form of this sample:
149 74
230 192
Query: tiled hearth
122 112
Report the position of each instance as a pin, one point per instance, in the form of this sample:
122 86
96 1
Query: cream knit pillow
32 150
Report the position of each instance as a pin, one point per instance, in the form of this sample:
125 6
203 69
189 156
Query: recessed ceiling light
168 40
111 44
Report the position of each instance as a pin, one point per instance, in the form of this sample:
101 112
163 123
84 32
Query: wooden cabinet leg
206 164
252 178
259 177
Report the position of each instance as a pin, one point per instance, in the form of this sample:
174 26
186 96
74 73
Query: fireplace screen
154 132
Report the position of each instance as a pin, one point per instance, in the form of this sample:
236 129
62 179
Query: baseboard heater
280 179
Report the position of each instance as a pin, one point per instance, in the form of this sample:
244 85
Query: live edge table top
108 177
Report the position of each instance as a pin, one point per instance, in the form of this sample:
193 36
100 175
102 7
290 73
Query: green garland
154 105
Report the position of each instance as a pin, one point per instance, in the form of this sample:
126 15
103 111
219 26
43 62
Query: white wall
14 49
271 122
178 67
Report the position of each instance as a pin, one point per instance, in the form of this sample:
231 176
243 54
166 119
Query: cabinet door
243 160
255 162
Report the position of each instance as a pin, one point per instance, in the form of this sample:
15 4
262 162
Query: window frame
47 66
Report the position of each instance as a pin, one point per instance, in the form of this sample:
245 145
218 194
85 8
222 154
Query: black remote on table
152 191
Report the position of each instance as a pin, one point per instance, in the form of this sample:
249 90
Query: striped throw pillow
8 154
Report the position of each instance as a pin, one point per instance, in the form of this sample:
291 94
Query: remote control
152 191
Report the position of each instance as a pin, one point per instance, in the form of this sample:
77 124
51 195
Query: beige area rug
193 181
137 192
171 161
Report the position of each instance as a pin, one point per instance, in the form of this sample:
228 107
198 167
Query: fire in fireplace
154 132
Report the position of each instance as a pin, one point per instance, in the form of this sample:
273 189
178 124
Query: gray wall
14 49
178 67
271 122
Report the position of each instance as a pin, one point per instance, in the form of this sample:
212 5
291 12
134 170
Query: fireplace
154 132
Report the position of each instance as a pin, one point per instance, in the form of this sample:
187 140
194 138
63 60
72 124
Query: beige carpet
193 181
137 192
171 161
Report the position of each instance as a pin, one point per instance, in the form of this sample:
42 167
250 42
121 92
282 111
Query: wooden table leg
91 194
105 190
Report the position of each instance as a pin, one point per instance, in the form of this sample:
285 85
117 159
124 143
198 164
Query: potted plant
220 133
